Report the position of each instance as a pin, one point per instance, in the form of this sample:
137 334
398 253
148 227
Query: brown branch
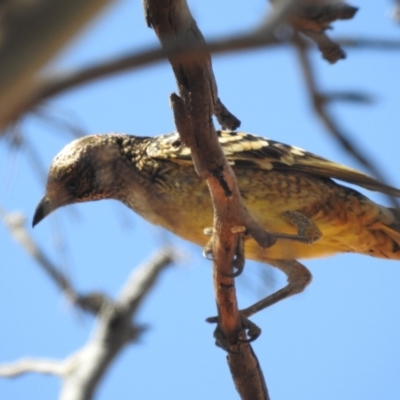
61 82
26 89
45 88
250 385
314 18
331 50
320 104
193 111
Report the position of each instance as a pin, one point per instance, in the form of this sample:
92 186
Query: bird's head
82 171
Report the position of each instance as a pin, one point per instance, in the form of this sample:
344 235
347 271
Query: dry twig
193 111
82 371
320 104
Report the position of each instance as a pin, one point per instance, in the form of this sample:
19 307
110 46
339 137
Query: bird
287 190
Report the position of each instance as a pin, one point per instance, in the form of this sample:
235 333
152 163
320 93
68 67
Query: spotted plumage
258 152
287 190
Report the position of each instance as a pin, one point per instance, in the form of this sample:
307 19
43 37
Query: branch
144 278
45 88
369 43
60 82
193 111
42 89
314 18
82 371
320 104
114 329
28 365
32 32
16 223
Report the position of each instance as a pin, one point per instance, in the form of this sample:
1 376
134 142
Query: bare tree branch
29 365
45 88
59 82
320 104
48 87
82 370
143 278
114 329
15 223
369 43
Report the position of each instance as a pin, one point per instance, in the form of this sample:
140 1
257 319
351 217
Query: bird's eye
73 184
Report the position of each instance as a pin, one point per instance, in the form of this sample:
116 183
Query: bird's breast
180 202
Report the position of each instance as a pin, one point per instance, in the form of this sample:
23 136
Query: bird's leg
298 277
307 231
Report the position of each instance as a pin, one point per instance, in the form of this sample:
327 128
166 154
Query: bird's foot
249 333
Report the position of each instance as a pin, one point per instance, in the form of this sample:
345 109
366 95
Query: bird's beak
43 209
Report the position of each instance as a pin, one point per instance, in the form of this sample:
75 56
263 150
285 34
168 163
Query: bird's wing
258 152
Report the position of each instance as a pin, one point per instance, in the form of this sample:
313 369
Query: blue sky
339 339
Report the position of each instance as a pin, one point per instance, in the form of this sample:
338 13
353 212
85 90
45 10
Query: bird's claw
251 332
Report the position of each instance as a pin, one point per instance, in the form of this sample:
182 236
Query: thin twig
114 329
82 371
43 89
30 365
144 277
320 104
361 43
61 82
16 224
